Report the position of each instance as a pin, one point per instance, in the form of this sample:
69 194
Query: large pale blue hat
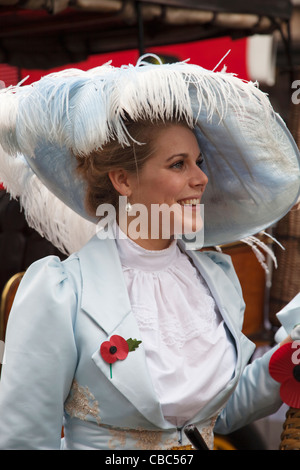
250 157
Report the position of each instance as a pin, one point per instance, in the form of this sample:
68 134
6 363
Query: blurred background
257 40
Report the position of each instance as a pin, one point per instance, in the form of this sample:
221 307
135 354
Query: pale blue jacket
62 313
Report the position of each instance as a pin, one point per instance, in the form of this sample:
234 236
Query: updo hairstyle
94 168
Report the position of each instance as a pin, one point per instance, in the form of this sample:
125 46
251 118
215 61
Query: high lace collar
134 256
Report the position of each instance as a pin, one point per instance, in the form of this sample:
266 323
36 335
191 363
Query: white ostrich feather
85 109
82 110
44 212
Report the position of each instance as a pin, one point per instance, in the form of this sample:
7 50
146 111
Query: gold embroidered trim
147 439
118 438
207 433
153 440
143 440
81 403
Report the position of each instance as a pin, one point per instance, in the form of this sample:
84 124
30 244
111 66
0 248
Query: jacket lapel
229 299
104 293
131 376
106 301
104 290
227 293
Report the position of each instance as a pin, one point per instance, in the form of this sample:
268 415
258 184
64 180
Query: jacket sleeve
40 358
256 396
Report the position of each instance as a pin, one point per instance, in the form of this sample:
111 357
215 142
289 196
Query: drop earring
128 207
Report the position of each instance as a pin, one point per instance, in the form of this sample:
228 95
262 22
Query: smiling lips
189 202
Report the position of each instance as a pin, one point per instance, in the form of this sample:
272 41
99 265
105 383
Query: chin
188 220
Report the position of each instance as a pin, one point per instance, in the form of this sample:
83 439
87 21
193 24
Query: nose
198 178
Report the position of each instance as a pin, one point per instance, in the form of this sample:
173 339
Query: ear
121 181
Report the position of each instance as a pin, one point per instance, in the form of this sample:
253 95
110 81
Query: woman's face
172 176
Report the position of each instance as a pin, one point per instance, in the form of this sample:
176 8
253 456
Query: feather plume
85 109
82 110
44 212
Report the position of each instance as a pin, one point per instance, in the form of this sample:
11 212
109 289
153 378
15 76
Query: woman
137 334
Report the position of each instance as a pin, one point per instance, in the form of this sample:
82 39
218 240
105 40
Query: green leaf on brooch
133 344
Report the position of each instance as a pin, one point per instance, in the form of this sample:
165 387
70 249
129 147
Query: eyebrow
183 155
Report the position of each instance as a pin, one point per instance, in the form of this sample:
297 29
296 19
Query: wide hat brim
250 157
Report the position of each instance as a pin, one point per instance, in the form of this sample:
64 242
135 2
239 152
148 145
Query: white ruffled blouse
188 351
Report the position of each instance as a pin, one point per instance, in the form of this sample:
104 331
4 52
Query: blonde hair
94 168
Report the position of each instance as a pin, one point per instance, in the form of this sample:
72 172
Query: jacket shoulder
224 262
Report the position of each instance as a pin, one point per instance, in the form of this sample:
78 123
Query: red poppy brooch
117 348
284 367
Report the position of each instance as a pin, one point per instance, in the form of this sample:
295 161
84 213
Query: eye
200 162
177 165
